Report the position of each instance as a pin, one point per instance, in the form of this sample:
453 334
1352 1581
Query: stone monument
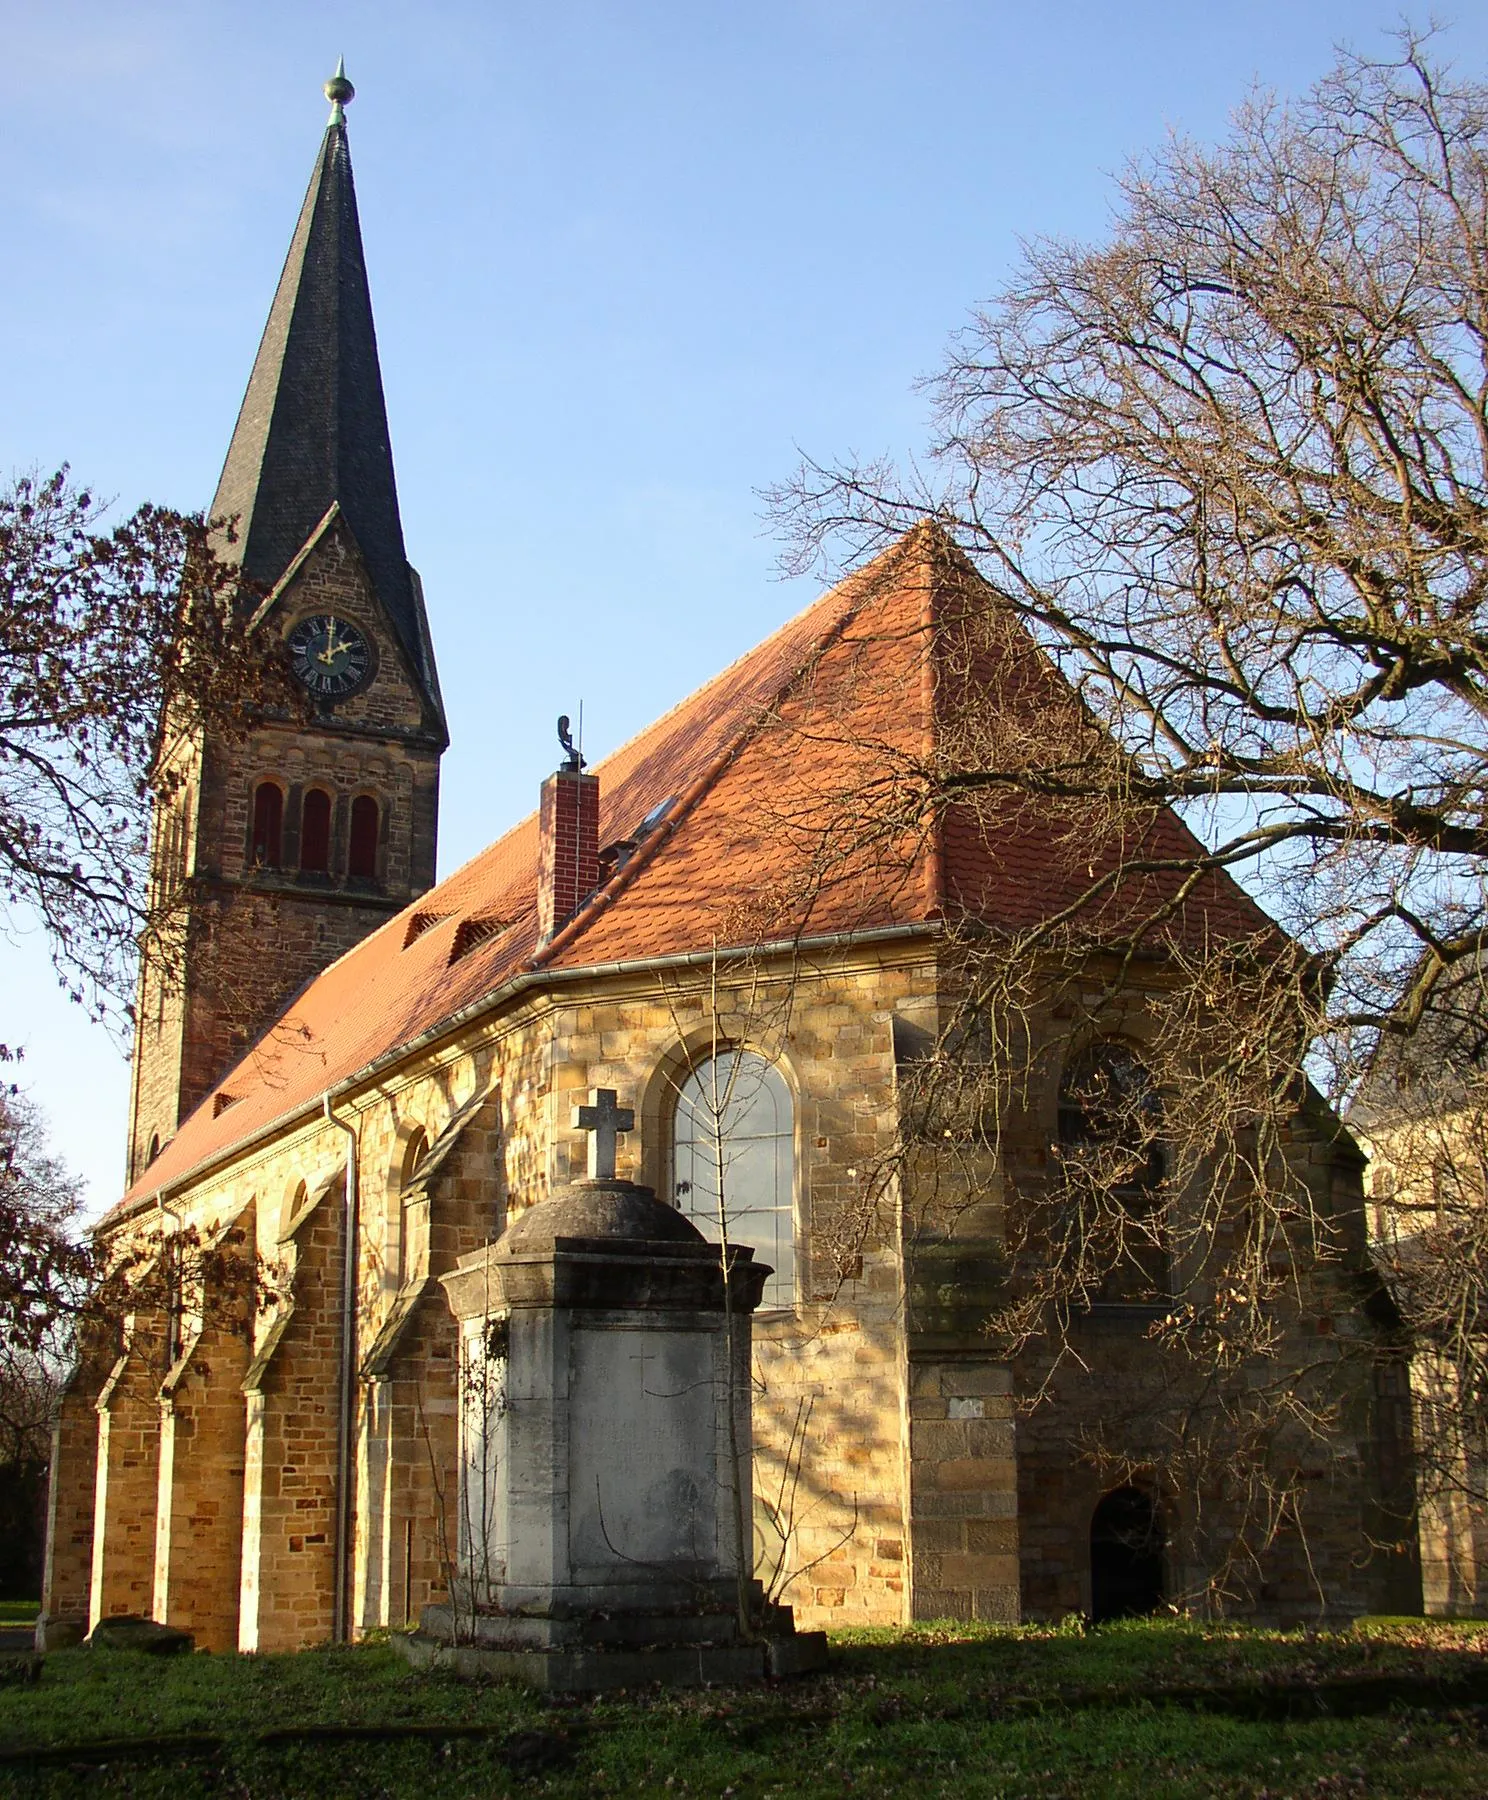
605 1491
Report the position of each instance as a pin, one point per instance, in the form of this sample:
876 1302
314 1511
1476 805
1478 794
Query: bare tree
1231 470
1226 477
46 1270
115 642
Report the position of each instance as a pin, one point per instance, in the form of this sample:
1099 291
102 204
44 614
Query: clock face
329 656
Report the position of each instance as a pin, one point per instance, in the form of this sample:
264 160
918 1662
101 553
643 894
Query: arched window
294 1206
733 1150
268 824
414 1153
361 859
1110 1145
154 1149
315 832
413 1211
1126 1556
168 854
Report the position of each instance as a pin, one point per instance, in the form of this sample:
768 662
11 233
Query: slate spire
313 428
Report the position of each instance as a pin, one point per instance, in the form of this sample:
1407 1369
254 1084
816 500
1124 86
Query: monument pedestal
682 1649
605 1489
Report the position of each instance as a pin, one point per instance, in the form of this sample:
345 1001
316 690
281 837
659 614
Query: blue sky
625 260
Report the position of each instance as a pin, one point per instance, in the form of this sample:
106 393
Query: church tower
288 844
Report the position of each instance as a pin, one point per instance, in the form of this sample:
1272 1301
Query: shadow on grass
1244 1672
321 1721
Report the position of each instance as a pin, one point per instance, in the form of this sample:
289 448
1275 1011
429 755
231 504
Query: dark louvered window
362 854
1113 1159
268 825
315 833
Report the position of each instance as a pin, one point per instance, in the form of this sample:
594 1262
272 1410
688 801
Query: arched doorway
1126 1556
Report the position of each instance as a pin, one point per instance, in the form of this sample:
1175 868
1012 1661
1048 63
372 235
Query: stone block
941 1603
940 1443
927 1406
997 1605
932 1535
131 1632
931 1503
988 1474
992 1537
991 1438
976 1571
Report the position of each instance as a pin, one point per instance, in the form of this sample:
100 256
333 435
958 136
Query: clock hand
332 649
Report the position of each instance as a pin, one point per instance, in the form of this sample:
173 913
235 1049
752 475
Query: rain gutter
514 989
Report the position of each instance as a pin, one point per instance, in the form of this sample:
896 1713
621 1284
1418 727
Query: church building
359 1076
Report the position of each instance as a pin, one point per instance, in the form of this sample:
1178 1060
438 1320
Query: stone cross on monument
604 1121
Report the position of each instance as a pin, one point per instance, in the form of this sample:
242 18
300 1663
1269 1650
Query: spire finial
339 91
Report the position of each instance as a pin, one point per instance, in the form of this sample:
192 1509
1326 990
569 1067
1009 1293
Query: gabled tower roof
313 428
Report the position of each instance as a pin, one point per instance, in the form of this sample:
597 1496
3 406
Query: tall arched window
413 1211
315 832
1110 1146
414 1152
361 858
169 844
294 1206
268 824
733 1150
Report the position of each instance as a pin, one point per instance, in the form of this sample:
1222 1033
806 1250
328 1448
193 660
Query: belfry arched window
268 824
361 856
315 832
1111 1148
734 1160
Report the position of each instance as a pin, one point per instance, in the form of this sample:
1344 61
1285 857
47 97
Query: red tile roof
795 778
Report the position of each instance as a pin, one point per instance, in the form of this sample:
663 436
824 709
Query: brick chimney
567 847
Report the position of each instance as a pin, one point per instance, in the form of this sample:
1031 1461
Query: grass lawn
1151 1710
18 1612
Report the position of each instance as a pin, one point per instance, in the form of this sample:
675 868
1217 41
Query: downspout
346 1393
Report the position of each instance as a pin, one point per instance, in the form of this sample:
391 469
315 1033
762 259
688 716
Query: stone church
363 1074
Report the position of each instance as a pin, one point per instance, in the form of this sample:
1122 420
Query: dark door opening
1126 1556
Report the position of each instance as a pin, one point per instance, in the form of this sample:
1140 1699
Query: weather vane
575 762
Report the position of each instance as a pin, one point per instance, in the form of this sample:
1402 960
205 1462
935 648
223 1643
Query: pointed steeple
313 428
